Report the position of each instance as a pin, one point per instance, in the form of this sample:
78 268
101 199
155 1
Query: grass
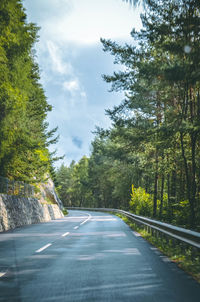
184 256
65 212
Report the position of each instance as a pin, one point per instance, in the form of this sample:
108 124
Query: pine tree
24 136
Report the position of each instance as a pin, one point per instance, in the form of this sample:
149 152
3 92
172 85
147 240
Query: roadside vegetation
65 212
24 131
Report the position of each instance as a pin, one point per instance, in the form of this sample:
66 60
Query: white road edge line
86 219
63 235
2 274
136 234
43 248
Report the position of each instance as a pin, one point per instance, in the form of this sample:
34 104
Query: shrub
141 202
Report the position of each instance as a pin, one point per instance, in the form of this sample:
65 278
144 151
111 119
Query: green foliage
73 184
141 202
181 213
65 212
157 123
24 138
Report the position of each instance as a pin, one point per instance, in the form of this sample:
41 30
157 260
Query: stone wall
16 211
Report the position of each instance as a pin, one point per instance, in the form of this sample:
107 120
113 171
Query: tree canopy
24 134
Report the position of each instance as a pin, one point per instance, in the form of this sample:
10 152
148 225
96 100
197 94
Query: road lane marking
165 259
44 247
75 217
86 219
76 227
126 251
102 219
63 235
2 274
136 234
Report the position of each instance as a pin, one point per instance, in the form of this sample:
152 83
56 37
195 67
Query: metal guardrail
157 228
12 187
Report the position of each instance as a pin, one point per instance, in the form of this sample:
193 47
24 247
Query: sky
72 62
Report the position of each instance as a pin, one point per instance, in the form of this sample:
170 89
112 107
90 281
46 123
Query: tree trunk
161 196
190 188
155 197
172 192
193 180
169 214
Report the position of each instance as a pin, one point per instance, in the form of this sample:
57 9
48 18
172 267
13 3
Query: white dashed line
63 235
76 227
43 248
2 274
86 219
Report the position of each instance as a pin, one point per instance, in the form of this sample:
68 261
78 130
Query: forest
24 131
148 162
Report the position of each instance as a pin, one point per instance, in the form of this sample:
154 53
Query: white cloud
58 64
84 22
74 87
71 86
90 20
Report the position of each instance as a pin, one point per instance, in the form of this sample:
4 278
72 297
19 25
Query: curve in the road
88 257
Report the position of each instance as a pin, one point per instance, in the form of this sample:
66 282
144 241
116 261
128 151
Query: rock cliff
48 194
16 211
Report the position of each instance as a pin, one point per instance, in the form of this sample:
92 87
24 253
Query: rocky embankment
16 211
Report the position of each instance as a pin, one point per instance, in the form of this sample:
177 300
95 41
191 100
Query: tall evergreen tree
161 83
24 136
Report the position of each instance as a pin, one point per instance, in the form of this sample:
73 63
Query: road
88 256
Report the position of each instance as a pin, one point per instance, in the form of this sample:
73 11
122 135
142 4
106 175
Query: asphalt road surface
88 256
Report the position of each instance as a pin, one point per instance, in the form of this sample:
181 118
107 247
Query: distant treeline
24 134
149 160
